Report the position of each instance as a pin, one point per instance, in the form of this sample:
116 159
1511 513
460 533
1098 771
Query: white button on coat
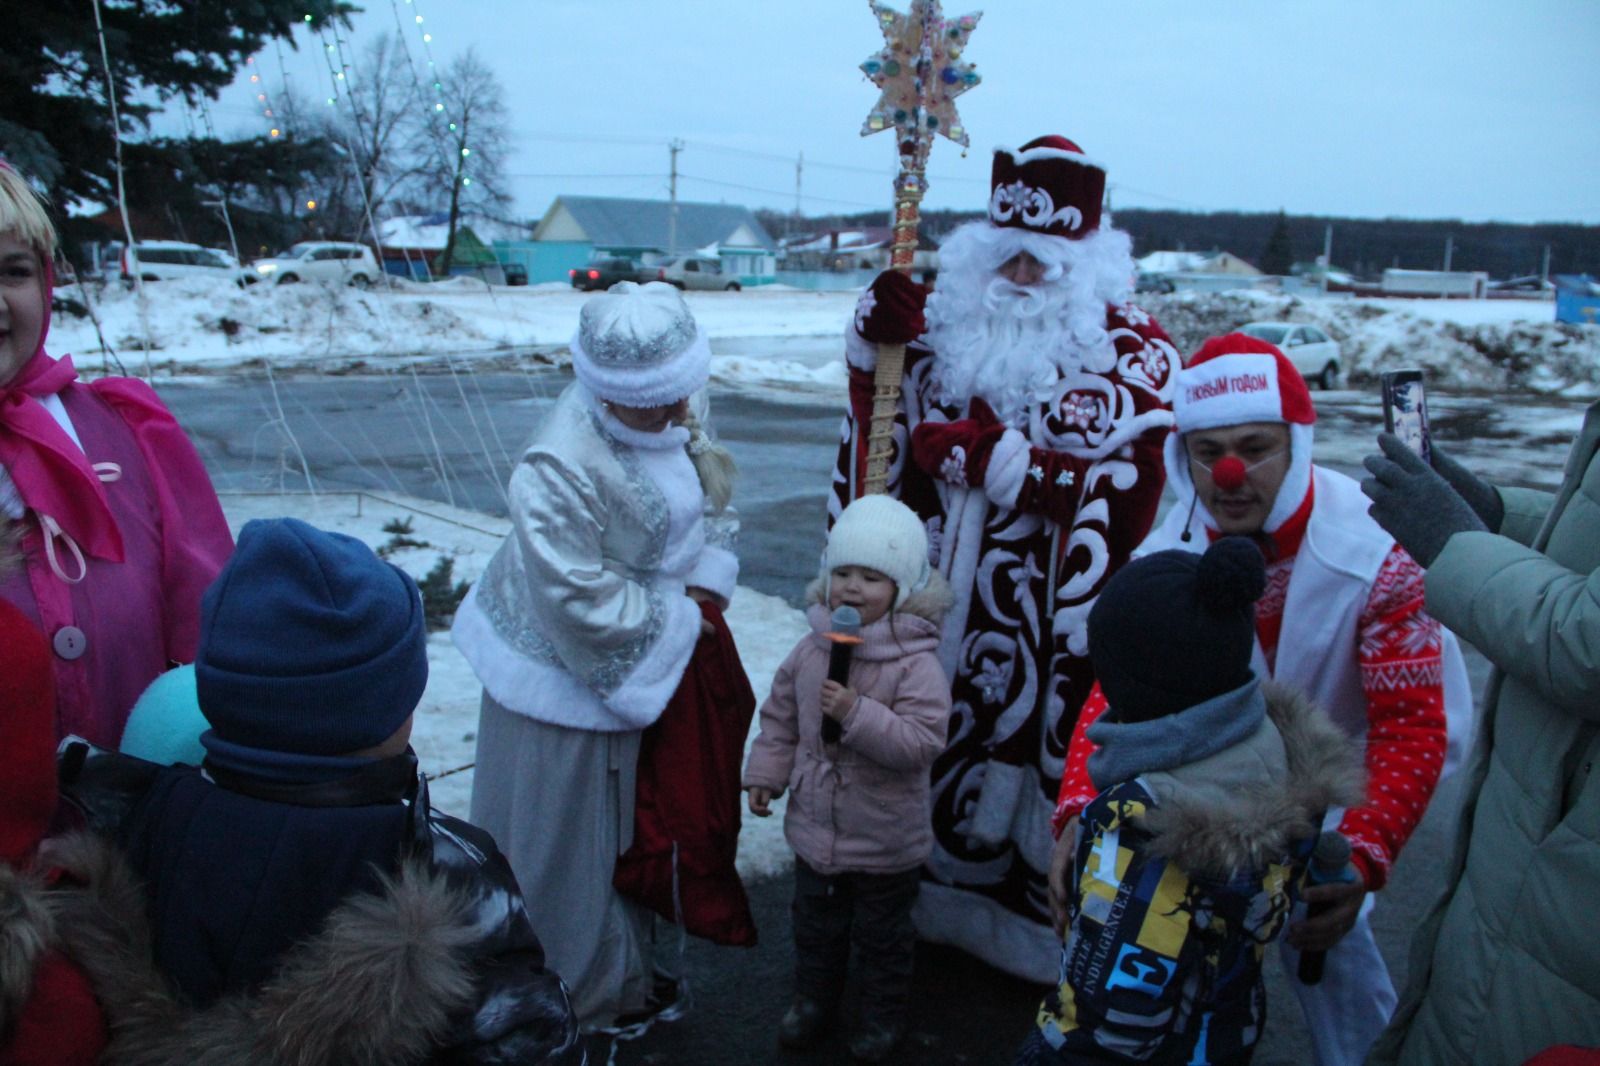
70 642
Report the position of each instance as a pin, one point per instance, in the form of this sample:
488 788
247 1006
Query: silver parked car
1313 352
166 260
339 262
695 272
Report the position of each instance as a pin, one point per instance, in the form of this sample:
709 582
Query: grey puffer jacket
862 804
1507 963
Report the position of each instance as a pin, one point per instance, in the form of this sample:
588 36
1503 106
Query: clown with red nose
1342 620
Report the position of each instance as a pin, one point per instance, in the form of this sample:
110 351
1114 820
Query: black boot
873 1041
803 1023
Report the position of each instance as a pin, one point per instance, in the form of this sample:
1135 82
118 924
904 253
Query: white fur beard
1010 344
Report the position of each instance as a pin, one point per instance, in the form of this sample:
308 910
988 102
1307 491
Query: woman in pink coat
122 529
855 758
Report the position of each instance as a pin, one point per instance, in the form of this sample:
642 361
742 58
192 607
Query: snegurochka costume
581 630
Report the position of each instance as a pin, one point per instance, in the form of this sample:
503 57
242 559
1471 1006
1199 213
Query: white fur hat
882 534
638 346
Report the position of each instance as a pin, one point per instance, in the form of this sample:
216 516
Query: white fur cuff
717 570
1008 468
858 351
644 693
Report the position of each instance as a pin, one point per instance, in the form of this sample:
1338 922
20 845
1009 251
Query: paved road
454 438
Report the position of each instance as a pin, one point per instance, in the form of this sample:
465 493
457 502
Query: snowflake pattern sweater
1402 675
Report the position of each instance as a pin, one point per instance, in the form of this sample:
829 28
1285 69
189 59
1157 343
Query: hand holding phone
1405 409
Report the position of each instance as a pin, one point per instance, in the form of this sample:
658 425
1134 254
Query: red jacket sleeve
1077 790
1402 675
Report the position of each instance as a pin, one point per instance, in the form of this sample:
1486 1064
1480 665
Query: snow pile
445 731
211 323
1463 344
204 323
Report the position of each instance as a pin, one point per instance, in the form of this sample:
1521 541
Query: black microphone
1330 865
844 633
1187 522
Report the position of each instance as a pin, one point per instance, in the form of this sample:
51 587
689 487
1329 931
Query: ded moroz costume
1028 439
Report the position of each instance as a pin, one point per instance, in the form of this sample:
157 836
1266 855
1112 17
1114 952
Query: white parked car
338 262
1313 352
166 260
695 272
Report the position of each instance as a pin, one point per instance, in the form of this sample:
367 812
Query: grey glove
1482 497
1412 502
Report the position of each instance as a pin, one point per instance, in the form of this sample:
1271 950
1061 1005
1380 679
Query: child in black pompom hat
1212 786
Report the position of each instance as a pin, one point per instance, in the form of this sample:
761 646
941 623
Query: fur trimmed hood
1210 823
930 603
389 979
26 933
911 628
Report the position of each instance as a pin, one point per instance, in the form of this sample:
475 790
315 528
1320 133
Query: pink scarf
51 472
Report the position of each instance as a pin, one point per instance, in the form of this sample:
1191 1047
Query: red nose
1228 473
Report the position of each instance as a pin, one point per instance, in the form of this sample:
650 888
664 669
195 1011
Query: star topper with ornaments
921 73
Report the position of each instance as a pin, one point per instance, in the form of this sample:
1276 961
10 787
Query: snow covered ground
203 325
444 735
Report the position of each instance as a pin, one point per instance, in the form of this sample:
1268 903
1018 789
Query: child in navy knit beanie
302 896
1212 786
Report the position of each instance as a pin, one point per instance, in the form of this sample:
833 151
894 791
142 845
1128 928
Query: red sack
686 807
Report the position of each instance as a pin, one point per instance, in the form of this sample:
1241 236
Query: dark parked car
604 273
516 273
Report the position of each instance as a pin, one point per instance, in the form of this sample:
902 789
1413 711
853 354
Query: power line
585 177
885 172
778 192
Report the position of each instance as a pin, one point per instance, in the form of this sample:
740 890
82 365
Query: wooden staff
890 367
920 77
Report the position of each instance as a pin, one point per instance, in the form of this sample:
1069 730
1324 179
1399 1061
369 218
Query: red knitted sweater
1400 658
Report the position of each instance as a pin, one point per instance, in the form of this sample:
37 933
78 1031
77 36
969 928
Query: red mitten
958 452
890 310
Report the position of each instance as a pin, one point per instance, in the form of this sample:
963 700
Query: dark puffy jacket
424 956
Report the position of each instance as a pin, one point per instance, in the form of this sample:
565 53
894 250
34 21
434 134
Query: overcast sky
1472 109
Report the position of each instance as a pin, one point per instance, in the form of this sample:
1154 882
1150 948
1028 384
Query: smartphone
1405 409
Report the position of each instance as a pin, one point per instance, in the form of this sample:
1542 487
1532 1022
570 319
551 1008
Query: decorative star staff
920 74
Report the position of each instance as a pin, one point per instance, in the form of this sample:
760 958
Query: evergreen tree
1278 256
56 126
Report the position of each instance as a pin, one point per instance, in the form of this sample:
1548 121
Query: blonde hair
712 463
22 213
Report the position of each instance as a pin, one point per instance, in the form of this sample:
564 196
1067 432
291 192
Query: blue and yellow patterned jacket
1187 865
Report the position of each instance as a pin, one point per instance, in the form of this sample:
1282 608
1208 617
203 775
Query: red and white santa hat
1232 380
1047 186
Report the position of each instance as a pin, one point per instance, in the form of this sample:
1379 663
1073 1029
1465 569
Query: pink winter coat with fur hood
860 805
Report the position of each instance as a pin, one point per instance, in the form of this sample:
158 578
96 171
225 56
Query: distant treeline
1366 247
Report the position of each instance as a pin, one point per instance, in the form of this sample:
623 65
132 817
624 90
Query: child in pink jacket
858 816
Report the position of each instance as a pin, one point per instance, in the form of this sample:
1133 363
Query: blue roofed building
577 229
